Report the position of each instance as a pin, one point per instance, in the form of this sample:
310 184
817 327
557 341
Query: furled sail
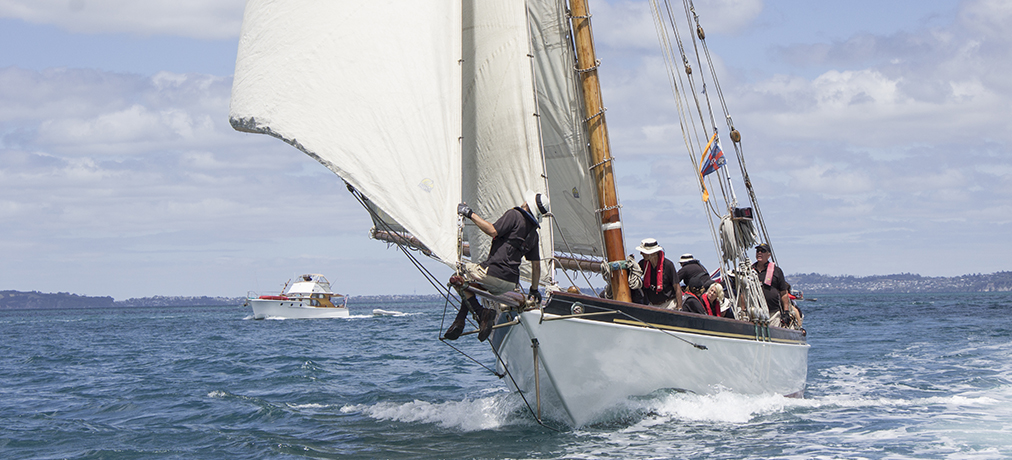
369 88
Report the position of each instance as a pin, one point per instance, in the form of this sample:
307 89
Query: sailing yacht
419 106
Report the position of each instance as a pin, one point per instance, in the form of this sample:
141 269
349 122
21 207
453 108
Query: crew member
659 285
775 287
514 237
690 268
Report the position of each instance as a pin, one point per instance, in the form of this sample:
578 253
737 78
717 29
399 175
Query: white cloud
629 24
881 146
202 19
145 175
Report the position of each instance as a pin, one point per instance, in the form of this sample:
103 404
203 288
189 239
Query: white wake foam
485 413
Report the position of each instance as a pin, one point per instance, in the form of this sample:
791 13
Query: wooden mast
600 154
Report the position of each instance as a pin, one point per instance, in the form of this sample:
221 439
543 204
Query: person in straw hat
659 283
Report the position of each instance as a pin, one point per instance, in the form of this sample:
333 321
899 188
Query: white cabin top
312 283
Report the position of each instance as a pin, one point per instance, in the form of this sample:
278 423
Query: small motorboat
310 296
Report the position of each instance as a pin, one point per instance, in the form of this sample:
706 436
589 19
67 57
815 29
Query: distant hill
901 283
26 300
179 301
13 300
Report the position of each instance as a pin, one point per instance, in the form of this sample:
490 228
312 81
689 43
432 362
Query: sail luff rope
686 67
723 180
674 80
745 286
714 214
687 122
699 31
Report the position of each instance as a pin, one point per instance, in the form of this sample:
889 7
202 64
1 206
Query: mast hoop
597 63
606 160
598 114
608 208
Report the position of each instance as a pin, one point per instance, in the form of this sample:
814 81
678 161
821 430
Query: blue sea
890 376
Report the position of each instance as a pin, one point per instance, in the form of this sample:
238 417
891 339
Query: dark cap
763 248
700 281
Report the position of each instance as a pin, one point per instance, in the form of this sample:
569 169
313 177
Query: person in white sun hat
659 282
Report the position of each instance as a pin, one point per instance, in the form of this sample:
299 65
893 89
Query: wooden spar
600 154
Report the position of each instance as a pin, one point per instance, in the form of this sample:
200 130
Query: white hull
588 367
293 310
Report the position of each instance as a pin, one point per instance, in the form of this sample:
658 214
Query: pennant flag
713 157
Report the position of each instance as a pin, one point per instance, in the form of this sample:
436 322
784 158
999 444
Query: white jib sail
371 89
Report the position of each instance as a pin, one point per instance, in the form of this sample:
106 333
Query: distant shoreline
810 283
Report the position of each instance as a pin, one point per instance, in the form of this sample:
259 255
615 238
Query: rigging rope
731 239
569 249
444 291
448 297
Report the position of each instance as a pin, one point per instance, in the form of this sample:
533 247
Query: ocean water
890 376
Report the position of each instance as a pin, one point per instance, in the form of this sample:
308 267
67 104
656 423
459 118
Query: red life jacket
657 272
705 299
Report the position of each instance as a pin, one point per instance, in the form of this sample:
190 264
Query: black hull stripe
561 303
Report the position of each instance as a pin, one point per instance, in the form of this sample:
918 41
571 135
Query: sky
876 135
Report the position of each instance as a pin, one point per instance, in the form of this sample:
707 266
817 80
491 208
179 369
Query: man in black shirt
690 268
514 237
775 287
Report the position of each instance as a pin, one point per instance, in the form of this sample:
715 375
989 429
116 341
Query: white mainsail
564 132
501 145
371 89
